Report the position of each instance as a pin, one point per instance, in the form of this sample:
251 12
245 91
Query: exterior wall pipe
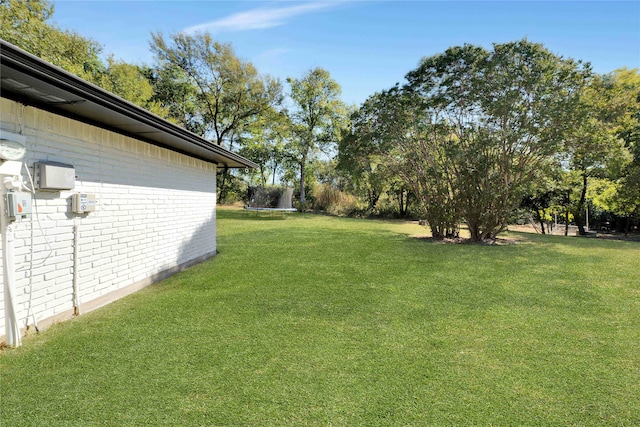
76 297
12 330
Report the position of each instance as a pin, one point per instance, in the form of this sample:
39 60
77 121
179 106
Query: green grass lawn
316 320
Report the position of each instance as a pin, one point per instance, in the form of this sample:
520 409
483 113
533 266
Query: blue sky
367 46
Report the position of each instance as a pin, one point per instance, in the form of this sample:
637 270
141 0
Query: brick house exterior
154 184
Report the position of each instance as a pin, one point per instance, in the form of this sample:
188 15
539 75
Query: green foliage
504 113
173 90
595 146
316 118
225 94
333 201
229 92
25 24
264 142
349 322
363 152
625 85
130 82
470 130
473 131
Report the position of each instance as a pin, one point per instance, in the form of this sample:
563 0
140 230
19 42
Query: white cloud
258 18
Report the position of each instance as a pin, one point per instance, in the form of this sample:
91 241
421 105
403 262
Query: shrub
333 201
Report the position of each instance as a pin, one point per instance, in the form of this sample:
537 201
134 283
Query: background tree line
473 136
203 86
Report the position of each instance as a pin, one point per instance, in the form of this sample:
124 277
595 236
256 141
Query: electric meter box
83 203
18 205
12 145
55 176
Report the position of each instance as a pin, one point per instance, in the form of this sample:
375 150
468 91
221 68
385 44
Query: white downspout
76 241
12 330
10 172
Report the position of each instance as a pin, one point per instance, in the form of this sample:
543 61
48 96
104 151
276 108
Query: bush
333 201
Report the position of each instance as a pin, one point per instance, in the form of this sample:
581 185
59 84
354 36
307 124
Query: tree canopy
471 128
316 117
223 94
471 134
229 92
26 25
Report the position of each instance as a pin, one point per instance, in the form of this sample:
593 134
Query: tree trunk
627 225
373 199
475 232
566 213
404 203
222 191
540 220
438 231
580 209
263 178
302 192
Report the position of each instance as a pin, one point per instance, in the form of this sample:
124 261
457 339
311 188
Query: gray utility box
18 205
83 203
55 176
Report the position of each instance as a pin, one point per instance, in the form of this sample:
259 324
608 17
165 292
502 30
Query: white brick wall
155 211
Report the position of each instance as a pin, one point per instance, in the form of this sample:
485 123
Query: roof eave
99 107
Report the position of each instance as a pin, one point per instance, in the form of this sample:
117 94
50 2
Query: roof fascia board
51 74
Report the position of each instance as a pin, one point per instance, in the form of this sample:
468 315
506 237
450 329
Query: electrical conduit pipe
12 330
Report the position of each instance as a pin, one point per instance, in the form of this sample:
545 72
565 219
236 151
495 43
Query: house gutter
110 111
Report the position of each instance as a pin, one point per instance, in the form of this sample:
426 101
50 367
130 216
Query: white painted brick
108 278
57 259
102 250
56 273
43 269
62 297
101 262
88 234
139 228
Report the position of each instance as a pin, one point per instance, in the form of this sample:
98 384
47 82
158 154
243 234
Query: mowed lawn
316 320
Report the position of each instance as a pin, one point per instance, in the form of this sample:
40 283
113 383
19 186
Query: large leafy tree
623 106
492 118
131 83
264 143
229 93
26 25
363 151
177 94
593 148
316 117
